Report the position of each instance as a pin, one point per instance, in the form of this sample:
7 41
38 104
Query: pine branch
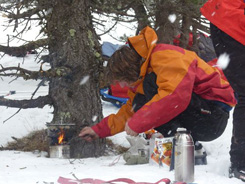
39 102
27 74
22 50
25 14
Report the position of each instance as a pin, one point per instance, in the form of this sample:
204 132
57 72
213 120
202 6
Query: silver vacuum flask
184 156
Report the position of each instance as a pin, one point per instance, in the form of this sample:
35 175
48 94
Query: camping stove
60 136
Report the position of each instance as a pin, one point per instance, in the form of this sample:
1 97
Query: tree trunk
74 44
185 30
141 15
165 29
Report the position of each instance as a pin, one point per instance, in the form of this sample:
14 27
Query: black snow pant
205 119
235 73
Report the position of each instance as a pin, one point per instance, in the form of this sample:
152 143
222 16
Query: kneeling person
170 87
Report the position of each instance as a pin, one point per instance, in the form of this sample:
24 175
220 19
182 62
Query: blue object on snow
117 101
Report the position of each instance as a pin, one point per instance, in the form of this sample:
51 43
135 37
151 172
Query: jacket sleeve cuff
102 129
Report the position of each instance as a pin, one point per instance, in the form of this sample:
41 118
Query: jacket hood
144 44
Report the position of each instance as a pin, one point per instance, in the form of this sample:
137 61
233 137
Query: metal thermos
184 156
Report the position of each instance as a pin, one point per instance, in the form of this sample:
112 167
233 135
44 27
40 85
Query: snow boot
237 173
200 154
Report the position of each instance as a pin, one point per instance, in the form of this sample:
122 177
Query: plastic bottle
184 159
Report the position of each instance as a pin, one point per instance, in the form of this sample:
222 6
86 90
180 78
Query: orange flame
61 136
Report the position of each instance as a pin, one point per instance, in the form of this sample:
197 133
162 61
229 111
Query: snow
28 35
223 61
30 168
172 18
84 80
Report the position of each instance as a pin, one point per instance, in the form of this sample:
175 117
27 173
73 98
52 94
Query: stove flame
61 136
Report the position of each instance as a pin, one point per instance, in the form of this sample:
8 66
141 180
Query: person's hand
88 134
129 131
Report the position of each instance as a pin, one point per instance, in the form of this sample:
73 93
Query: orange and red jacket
179 73
227 15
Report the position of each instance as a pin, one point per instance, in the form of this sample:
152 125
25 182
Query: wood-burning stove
60 136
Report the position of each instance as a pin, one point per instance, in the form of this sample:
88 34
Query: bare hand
129 131
88 134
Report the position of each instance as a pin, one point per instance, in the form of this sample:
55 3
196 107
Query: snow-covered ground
30 168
